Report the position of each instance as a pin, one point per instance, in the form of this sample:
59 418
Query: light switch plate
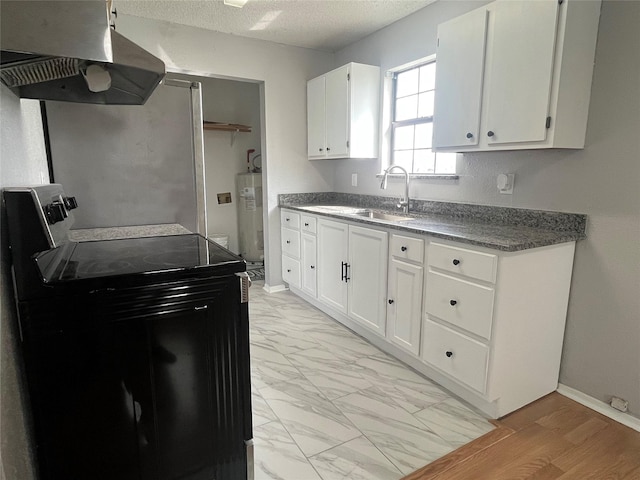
354 179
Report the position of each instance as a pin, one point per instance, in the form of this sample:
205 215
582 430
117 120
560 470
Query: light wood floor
552 438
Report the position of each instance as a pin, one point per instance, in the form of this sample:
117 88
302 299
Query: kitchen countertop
501 228
115 233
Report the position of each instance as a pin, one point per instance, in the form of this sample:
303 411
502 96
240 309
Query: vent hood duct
66 51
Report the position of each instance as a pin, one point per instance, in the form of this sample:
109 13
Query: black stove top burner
132 256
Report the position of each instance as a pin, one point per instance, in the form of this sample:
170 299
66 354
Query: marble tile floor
327 405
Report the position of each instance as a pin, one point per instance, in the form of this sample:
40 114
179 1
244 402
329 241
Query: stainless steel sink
339 209
360 212
389 217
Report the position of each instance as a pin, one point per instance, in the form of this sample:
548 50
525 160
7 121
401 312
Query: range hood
66 51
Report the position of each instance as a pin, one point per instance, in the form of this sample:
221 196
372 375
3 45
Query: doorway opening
233 165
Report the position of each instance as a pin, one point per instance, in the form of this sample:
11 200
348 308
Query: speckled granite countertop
114 233
501 228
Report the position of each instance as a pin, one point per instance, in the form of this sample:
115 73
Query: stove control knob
70 203
55 212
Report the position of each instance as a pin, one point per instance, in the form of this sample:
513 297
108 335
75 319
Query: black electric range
135 261
136 350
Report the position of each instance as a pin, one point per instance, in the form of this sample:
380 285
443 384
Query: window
412 122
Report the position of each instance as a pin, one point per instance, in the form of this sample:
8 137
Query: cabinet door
337 112
291 271
309 264
520 57
367 270
332 256
459 72
316 118
404 306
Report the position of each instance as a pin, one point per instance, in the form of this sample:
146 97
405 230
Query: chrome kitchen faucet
404 203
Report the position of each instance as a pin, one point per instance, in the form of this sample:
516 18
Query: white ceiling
319 24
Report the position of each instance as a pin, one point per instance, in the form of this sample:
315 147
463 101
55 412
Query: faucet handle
404 205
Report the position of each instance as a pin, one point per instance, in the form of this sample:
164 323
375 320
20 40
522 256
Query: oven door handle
245 284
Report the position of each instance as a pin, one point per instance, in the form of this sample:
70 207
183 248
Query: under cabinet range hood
66 51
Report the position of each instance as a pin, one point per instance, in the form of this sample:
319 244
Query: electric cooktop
95 260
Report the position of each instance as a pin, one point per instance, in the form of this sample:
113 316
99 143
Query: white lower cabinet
404 302
333 238
291 271
290 244
460 302
367 277
308 264
494 321
457 355
352 272
485 324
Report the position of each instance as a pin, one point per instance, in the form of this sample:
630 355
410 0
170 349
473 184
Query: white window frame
389 124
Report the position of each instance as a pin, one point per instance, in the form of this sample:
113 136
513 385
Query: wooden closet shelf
226 127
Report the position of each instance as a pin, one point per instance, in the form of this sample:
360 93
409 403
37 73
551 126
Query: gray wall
22 162
127 164
282 72
601 353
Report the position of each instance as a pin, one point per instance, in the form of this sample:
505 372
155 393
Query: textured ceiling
319 24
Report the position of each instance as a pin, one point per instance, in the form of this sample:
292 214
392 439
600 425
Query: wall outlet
505 183
619 404
354 179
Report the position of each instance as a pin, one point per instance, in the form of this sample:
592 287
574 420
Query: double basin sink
359 212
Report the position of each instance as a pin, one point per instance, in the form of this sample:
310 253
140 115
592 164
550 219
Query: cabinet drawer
461 357
290 242
290 219
469 263
461 303
308 224
408 248
291 271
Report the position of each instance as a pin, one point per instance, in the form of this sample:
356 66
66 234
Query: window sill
422 176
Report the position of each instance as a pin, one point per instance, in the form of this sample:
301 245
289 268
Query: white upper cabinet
515 75
316 117
343 112
337 112
459 67
518 77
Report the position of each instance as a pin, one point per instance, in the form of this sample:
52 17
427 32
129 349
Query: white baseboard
275 288
600 407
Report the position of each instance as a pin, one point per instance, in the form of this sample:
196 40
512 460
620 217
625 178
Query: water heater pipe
249 152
